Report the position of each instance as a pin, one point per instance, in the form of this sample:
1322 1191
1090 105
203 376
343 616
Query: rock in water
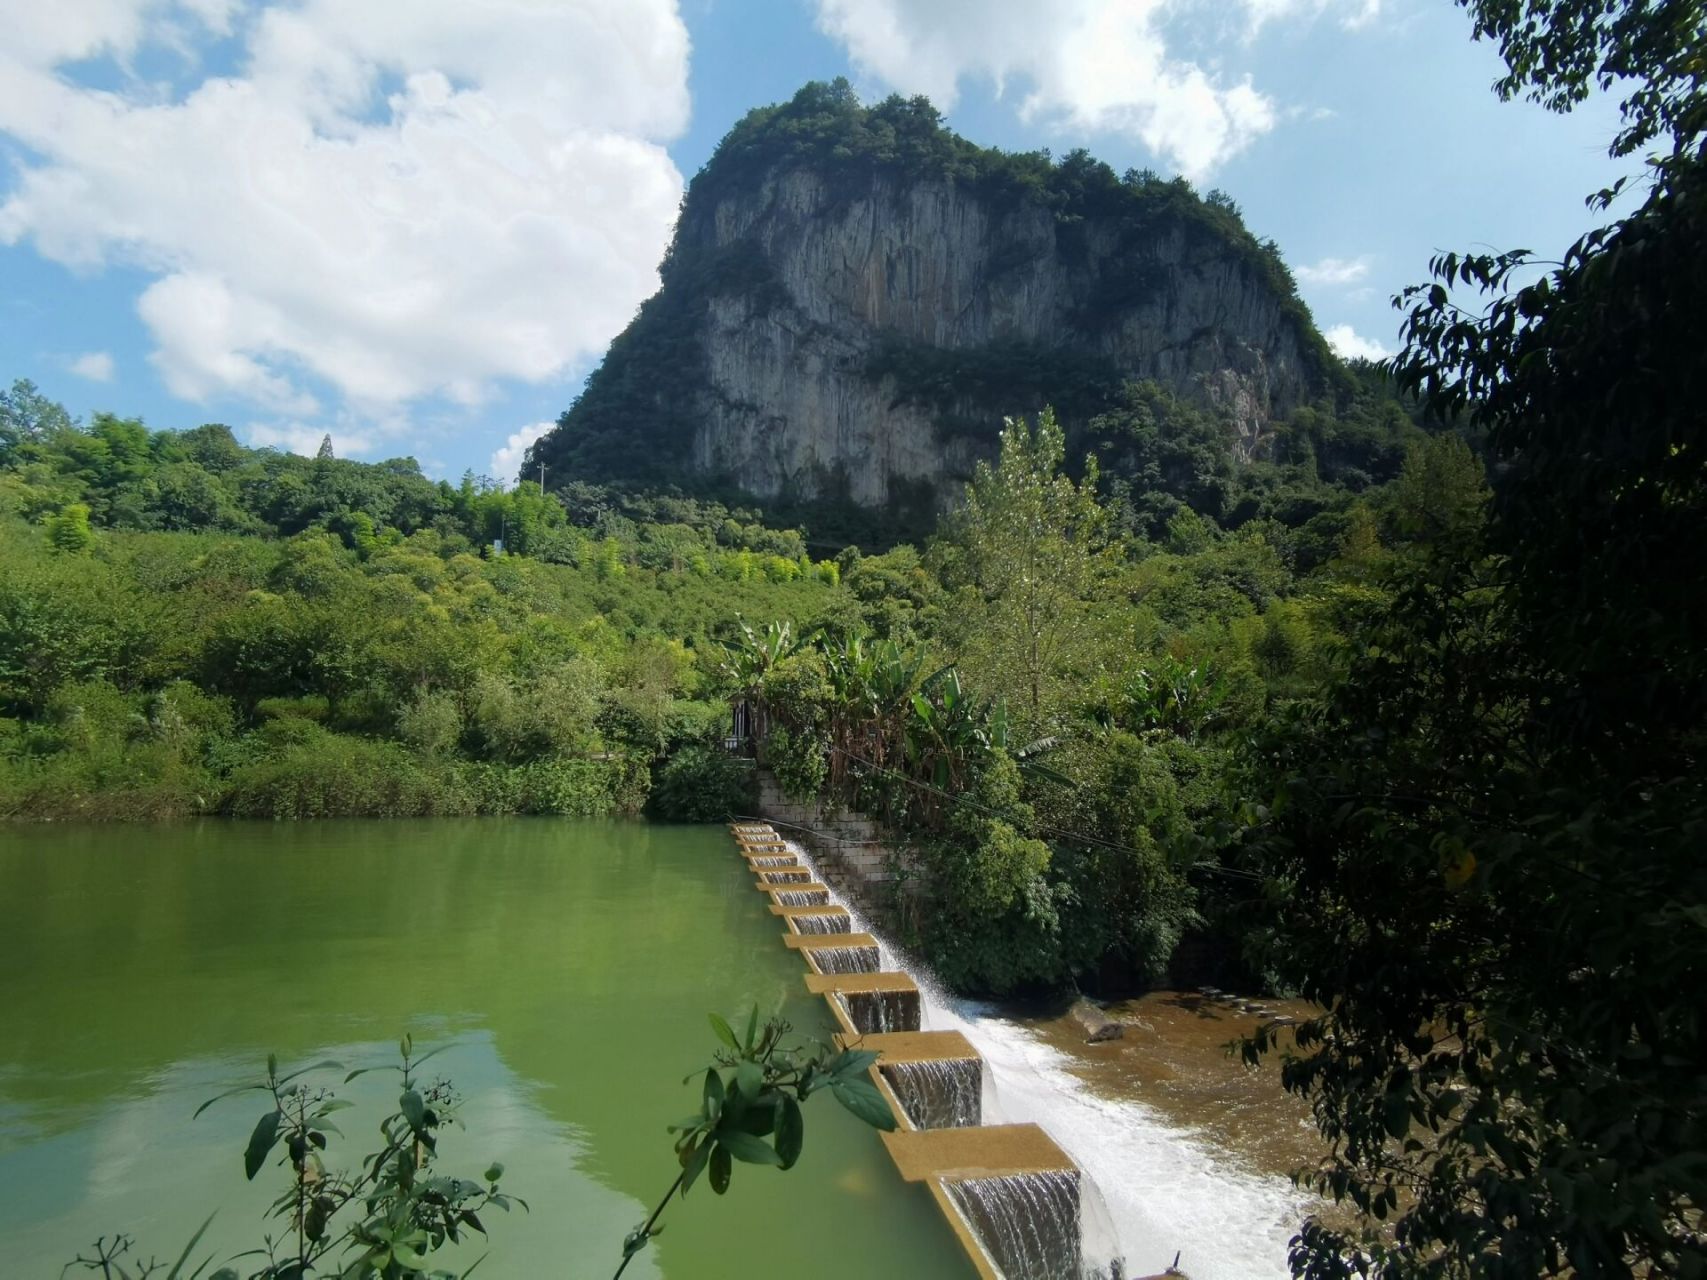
1097 1024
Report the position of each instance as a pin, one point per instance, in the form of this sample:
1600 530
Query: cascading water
822 924
787 877
1027 1223
942 1094
1150 1186
876 1012
789 861
802 897
843 959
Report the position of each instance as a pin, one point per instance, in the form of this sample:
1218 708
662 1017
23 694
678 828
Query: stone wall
853 852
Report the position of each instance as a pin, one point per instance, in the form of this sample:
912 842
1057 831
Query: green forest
1406 718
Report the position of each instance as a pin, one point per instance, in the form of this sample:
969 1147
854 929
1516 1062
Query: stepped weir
1008 1192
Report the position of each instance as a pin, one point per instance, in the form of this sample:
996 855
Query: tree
69 531
26 415
1025 546
1487 837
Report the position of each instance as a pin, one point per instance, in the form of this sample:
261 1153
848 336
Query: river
569 967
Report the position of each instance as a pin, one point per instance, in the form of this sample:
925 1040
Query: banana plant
752 656
1174 697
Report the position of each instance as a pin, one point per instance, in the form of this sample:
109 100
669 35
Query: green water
568 965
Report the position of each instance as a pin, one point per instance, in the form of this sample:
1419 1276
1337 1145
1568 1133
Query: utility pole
542 477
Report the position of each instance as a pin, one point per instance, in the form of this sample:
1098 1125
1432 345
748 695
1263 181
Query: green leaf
747 1149
861 1097
790 1132
260 1142
178 1266
723 1032
752 1027
714 1095
721 1168
414 1110
1396 1114
750 1079
695 1164
230 1093
851 1064
494 1171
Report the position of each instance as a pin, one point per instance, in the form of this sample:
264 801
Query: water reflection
572 964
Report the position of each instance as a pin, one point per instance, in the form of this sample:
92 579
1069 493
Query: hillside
855 297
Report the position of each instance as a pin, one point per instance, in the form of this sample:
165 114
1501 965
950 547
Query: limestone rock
807 300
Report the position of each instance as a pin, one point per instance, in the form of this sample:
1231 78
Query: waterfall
941 1094
1150 1186
876 1012
802 897
790 861
1027 1223
787 877
842 959
822 924
1153 1185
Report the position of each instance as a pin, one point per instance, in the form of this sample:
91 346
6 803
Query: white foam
1166 1187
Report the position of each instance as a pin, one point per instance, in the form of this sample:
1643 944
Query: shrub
703 784
432 723
316 774
800 760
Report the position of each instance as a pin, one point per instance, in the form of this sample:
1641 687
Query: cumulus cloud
96 366
1333 271
1352 13
507 461
1091 64
1102 65
305 438
1350 345
387 201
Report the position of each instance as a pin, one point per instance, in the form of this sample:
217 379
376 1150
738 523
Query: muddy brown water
1176 1056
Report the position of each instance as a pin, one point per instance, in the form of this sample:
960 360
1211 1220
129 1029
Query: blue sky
415 224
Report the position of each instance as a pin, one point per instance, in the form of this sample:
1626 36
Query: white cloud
1350 345
507 461
1333 271
1091 64
388 201
305 438
1100 65
1352 13
96 366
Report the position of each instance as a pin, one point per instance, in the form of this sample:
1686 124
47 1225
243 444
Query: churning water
822 924
843 959
876 1012
1028 1223
944 1094
1152 1187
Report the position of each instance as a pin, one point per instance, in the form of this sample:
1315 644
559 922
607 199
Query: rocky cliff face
835 329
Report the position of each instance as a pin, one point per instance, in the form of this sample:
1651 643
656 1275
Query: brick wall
851 850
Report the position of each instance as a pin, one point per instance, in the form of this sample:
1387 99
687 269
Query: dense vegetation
190 626
1484 840
632 422
1411 728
